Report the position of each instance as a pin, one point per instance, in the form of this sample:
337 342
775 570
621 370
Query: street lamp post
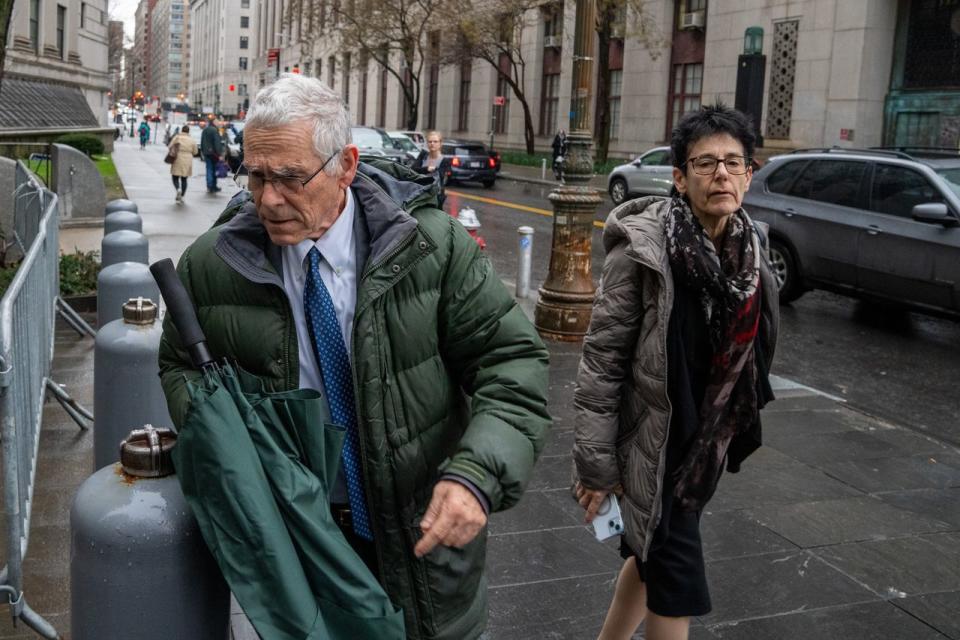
566 298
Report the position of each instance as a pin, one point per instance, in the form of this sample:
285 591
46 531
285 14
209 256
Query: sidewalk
534 175
841 526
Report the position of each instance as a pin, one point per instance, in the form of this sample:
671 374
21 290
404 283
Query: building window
362 111
243 63
687 81
332 72
613 110
553 21
382 106
83 14
318 68
244 42
501 113
694 5
782 74
35 24
466 72
244 4
241 89
61 25
306 68
244 22
549 104
346 78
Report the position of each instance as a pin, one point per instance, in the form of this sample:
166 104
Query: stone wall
77 182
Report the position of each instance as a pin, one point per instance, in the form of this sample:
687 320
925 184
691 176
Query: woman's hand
590 499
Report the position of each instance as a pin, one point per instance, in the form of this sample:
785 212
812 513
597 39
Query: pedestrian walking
675 369
211 150
432 162
345 278
559 145
144 133
182 149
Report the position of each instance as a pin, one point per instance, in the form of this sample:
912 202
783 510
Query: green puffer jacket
450 376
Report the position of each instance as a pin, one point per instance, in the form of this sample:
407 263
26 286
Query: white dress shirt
338 270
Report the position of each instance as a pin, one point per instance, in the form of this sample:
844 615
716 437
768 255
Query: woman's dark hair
185 128
711 120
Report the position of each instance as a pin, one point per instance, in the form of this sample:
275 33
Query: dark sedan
470 162
375 143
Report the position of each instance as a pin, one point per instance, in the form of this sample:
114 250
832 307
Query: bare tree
390 32
493 32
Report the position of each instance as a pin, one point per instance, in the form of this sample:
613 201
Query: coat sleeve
608 349
175 366
494 352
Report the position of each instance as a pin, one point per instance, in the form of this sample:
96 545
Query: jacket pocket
446 580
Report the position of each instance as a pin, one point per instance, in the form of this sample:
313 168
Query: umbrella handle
181 311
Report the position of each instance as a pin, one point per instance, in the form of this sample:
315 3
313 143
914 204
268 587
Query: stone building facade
225 38
64 44
834 72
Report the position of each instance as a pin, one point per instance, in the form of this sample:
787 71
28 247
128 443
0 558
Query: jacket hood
639 223
408 189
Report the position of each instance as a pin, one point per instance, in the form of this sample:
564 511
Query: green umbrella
256 469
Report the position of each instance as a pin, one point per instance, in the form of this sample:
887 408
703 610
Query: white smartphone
608 522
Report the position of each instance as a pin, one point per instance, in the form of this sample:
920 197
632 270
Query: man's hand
590 499
453 518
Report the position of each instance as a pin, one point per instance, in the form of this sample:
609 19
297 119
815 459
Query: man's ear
349 161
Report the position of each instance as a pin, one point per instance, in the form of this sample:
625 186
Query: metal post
543 169
566 298
525 261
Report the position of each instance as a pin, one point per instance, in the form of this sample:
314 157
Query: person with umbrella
346 279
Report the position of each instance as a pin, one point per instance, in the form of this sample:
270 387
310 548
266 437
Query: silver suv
649 174
881 223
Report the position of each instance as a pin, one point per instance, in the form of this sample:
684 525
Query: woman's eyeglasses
707 165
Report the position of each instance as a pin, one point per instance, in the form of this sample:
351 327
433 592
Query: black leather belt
341 516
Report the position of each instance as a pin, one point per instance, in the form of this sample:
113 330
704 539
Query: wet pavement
843 525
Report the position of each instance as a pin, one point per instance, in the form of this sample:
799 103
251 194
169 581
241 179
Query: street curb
519 178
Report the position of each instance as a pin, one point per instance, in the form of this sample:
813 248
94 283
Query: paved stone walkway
841 526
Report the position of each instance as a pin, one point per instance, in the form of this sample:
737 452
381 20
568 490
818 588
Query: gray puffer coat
622 412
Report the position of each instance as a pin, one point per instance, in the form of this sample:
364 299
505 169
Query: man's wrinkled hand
453 518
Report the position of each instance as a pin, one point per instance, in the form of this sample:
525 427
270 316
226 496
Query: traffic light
232 87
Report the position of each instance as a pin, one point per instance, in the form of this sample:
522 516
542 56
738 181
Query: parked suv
470 161
881 223
648 174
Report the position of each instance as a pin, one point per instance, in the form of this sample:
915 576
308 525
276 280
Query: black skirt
675 572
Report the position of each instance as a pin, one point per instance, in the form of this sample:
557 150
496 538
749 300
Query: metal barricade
28 313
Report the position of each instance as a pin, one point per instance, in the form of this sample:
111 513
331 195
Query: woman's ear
679 181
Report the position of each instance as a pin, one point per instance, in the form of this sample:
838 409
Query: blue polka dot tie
338 380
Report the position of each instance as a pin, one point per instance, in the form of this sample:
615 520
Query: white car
405 144
649 174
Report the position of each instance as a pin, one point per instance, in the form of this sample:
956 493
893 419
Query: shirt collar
336 244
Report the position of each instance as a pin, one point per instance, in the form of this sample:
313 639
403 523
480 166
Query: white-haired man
446 388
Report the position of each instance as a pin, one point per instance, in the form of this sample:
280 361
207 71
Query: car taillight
455 162
493 163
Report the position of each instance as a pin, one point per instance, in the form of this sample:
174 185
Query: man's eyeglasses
287 185
707 165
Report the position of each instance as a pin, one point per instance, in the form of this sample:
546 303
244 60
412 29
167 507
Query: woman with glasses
674 369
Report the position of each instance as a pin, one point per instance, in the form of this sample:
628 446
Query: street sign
499 101
273 55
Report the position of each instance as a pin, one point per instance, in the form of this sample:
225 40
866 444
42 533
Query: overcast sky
124 10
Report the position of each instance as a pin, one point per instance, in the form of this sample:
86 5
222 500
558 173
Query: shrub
78 272
85 142
6 277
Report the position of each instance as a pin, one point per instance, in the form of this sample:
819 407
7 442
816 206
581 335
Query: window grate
782 76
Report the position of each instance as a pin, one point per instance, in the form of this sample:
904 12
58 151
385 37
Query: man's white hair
297 98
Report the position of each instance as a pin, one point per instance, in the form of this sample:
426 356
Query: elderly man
345 277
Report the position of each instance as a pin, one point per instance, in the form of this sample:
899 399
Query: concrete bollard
120 282
543 169
122 220
120 204
123 246
524 261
